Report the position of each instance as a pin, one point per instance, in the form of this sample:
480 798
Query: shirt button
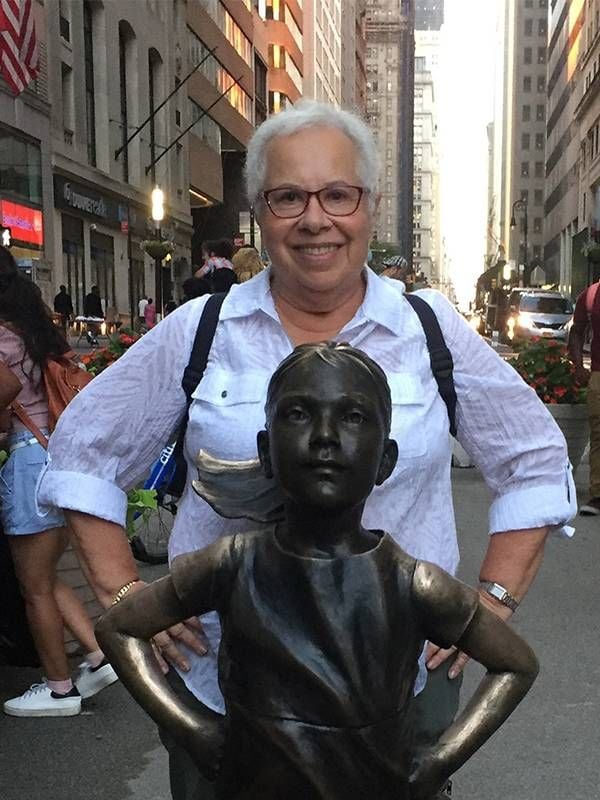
224 393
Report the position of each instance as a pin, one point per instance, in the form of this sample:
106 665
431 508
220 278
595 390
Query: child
323 621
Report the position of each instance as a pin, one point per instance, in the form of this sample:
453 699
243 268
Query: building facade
353 67
322 50
26 205
429 15
426 208
390 105
562 149
516 215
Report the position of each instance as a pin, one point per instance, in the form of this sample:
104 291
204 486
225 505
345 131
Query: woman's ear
388 461
264 455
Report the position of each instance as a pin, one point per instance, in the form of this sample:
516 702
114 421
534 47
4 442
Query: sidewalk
546 751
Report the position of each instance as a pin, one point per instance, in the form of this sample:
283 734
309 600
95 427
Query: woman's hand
189 633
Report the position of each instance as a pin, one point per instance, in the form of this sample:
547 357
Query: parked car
534 312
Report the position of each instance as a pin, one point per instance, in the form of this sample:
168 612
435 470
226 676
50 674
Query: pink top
150 315
32 396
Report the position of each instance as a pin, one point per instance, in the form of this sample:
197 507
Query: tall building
519 138
353 66
322 50
429 15
587 113
284 36
426 208
562 150
390 102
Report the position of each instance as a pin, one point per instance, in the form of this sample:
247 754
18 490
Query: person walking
28 338
63 306
92 308
141 308
586 320
316 217
150 314
247 263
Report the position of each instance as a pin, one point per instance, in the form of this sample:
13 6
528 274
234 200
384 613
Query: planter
573 422
157 249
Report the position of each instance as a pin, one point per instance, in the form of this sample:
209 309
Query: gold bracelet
123 591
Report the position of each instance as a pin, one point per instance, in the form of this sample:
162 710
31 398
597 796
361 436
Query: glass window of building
528 27
525 140
20 168
527 83
526 113
540 112
527 55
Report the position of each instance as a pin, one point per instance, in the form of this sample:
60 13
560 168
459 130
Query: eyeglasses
337 201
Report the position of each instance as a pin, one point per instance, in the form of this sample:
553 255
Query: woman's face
315 251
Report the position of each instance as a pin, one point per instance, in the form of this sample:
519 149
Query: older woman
316 217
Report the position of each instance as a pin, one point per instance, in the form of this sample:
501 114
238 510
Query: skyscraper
390 103
429 15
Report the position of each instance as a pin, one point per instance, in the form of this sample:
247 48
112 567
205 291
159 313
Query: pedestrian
63 306
150 314
217 268
170 306
586 321
141 308
92 309
195 287
247 263
317 288
326 444
28 338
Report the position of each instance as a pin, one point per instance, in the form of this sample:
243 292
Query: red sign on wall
26 224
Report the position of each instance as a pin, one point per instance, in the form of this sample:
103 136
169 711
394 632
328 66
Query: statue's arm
444 605
124 633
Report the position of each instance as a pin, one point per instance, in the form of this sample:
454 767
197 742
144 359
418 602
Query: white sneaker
92 680
40 701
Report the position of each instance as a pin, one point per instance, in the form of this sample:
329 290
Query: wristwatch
499 593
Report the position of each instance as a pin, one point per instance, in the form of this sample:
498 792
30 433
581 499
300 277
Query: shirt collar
380 305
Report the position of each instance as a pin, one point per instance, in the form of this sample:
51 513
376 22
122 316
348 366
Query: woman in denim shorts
28 338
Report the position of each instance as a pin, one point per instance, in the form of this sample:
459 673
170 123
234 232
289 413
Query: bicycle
151 512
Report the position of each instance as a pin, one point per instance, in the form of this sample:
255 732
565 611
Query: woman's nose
314 218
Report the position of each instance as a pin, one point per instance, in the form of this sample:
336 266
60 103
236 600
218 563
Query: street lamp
158 214
521 205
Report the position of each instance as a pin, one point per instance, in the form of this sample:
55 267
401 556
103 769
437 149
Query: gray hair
310 114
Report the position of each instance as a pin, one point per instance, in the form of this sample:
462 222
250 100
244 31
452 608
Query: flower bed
545 366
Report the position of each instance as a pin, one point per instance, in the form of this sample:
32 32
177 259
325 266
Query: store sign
26 224
83 202
81 199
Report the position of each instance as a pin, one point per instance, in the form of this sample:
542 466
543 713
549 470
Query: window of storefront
20 168
102 267
73 260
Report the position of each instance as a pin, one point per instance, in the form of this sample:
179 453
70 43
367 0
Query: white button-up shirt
109 436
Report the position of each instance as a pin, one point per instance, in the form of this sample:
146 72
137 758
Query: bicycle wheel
150 539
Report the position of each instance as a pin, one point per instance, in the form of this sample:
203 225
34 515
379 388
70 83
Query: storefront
100 237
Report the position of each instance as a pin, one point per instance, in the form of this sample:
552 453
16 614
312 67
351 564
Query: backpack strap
192 375
440 356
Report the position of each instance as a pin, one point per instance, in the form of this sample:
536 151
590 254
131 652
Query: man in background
63 306
586 319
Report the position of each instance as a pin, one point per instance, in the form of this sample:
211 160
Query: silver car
539 313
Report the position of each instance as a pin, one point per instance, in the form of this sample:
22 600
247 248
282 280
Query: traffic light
5 236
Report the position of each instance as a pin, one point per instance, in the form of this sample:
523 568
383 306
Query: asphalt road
548 750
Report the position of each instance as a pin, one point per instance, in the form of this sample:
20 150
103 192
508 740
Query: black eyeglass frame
361 191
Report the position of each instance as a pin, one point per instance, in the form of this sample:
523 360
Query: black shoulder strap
440 356
205 333
192 376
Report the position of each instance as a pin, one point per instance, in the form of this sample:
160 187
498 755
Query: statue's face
327 436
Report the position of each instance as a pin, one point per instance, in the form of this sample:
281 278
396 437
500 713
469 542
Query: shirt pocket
408 415
222 389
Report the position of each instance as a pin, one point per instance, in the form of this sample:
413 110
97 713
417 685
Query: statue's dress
317 665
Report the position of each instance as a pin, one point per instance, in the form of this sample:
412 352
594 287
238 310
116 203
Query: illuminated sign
26 224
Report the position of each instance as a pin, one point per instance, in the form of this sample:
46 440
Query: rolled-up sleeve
109 436
508 433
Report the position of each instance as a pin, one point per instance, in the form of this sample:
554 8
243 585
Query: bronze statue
323 621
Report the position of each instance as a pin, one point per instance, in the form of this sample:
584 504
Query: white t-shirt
142 306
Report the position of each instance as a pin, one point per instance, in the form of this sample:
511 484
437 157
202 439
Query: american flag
18 44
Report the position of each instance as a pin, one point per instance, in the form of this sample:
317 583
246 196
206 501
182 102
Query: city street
546 751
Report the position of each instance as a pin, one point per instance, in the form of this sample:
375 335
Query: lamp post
521 205
158 214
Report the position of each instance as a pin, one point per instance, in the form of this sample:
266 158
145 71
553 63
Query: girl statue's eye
354 417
